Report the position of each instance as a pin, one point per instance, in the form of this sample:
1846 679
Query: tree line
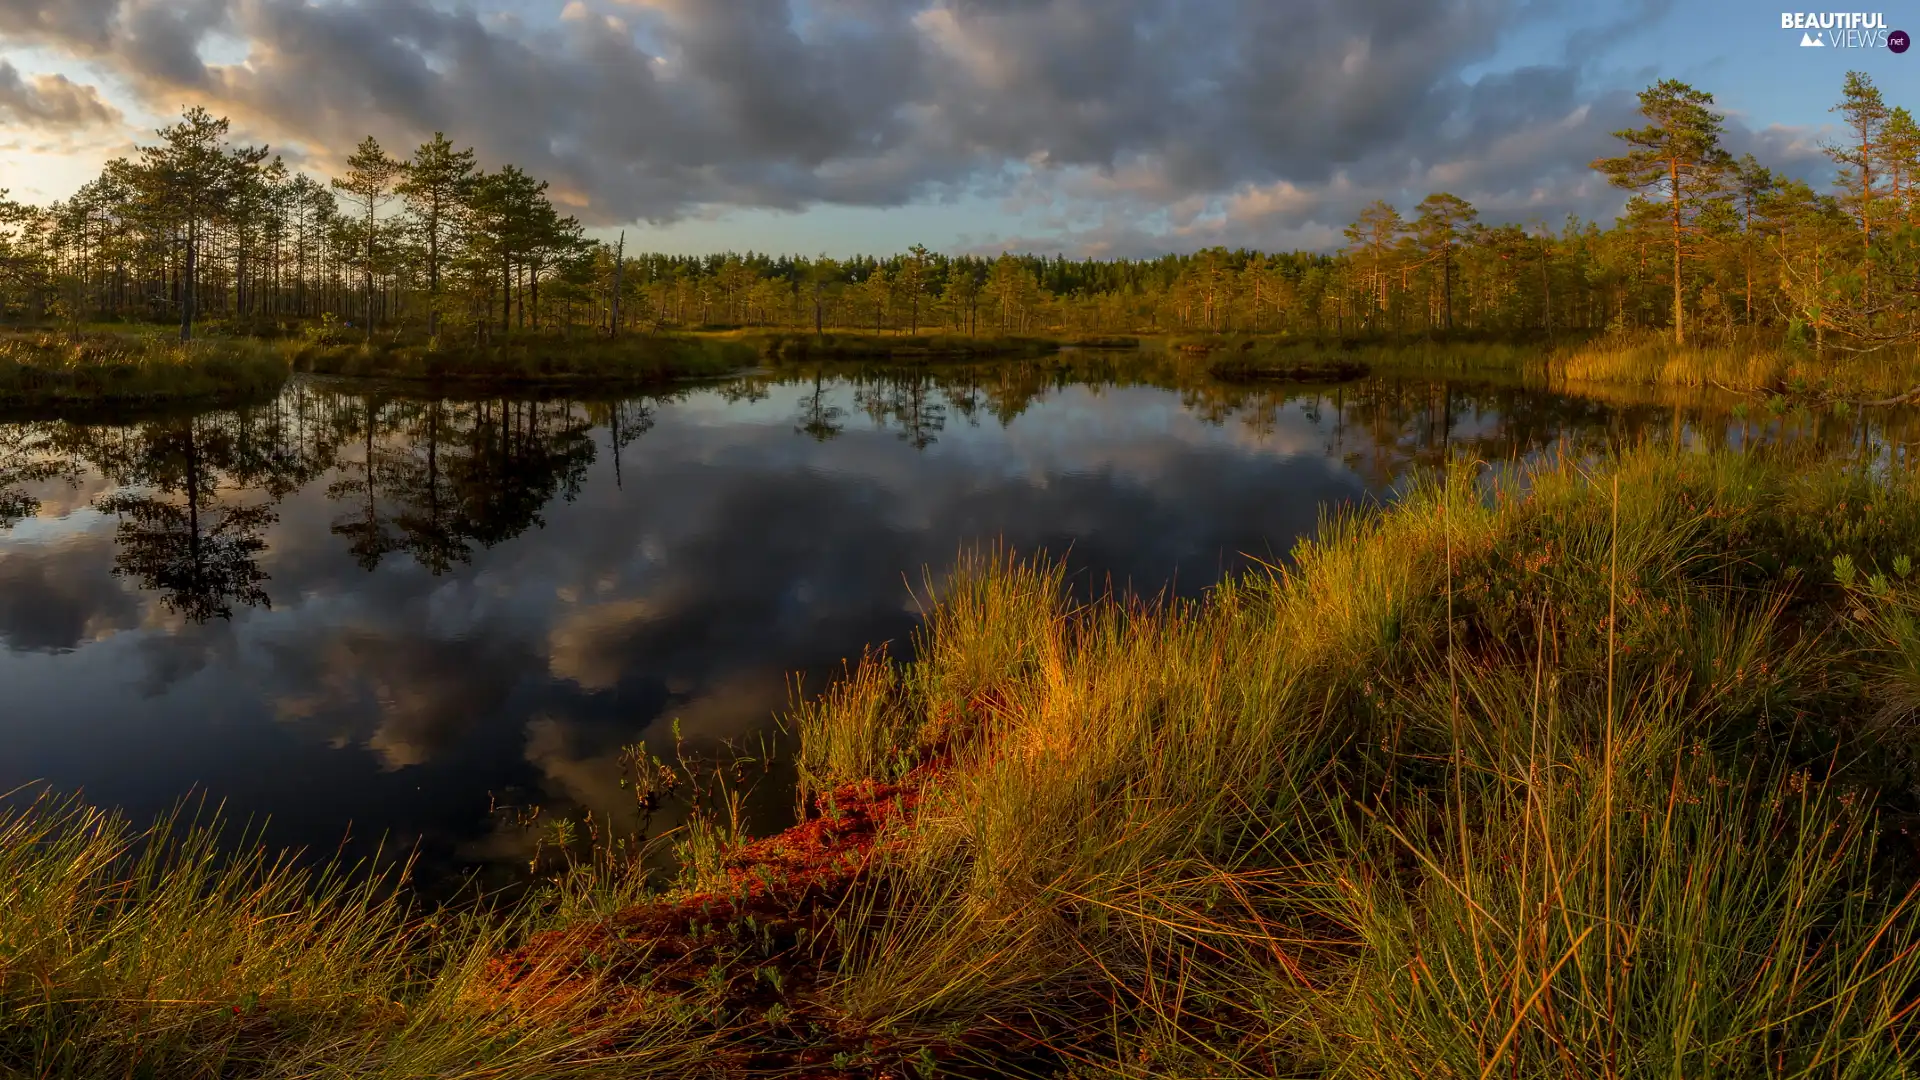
194 227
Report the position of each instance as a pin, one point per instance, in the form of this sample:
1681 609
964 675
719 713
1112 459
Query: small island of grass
636 358
116 369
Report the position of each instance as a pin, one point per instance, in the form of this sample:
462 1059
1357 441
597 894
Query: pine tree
1752 182
368 184
437 183
1445 220
186 183
1678 153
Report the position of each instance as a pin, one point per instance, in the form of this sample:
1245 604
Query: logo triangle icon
1808 41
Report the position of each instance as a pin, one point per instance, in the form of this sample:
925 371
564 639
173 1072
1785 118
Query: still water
365 614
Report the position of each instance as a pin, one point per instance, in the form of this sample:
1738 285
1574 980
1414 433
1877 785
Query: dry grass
1656 361
1409 807
119 368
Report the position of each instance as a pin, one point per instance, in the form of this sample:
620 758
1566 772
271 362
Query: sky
1083 127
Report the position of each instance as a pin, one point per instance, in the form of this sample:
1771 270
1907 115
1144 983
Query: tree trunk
433 272
1673 176
186 284
619 264
366 277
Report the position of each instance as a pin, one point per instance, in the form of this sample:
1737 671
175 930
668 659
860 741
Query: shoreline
51 369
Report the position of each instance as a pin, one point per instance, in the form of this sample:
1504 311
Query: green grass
103 369
1590 769
635 358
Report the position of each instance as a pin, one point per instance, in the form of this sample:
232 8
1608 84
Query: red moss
743 963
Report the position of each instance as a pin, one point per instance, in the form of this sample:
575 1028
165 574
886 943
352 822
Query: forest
432 244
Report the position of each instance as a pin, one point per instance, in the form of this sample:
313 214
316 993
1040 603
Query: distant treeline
432 243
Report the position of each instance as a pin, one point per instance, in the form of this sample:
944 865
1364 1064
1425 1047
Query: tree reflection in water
435 478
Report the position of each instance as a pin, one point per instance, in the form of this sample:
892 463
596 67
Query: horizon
1056 127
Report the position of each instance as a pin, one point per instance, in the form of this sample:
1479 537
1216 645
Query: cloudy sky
1086 126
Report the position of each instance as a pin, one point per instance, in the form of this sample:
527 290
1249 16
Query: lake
360 614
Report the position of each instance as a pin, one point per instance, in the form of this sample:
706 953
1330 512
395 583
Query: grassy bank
1760 366
108 369
1408 808
634 358
1576 773
1575 364
843 345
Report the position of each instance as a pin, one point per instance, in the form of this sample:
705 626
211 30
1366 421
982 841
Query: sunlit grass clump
161 952
1580 774
1654 360
110 368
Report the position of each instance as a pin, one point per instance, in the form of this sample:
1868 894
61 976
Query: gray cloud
1156 123
51 101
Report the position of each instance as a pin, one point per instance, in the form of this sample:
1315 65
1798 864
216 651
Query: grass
105 369
119 368
1760 366
1593 768
634 358
1408 808
152 953
1575 362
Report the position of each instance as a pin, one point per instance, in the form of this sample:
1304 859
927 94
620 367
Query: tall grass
155 952
1769 366
1517 779
114 368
